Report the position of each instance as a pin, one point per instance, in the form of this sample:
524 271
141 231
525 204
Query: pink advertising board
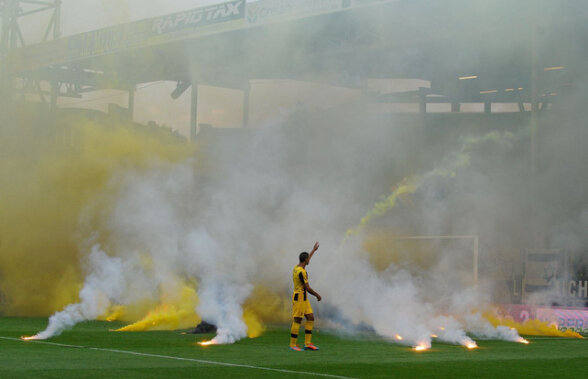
575 319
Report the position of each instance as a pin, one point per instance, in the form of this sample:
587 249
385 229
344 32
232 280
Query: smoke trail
104 284
453 162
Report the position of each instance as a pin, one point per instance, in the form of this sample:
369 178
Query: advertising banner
265 11
572 289
194 18
575 319
361 3
518 312
566 318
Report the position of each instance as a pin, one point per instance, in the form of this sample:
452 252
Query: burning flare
29 338
207 343
471 345
522 340
420 347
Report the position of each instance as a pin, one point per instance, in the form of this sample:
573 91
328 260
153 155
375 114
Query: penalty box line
180 358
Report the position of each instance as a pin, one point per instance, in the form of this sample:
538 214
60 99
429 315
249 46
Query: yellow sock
294 333
308 332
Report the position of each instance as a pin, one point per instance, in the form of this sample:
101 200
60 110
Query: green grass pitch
90 350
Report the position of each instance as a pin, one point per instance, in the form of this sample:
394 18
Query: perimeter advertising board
575 319
565 318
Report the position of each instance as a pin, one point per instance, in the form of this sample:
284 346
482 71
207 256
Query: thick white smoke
413 307
404 307
110 280
184 229
240 218
480 327
244 226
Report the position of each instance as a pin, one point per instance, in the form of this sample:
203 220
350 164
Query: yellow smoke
265 306
48 175
179 313
531 327
406 187
448 168
171 314
268 306
255 326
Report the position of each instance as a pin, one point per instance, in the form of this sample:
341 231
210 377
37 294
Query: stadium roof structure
470 51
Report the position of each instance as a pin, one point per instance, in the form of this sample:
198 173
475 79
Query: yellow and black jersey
300 278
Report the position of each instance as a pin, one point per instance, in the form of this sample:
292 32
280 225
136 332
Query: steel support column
246 92
194 111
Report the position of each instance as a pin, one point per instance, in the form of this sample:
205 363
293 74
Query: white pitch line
180 358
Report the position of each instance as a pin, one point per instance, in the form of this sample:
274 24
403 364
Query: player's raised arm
314 248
